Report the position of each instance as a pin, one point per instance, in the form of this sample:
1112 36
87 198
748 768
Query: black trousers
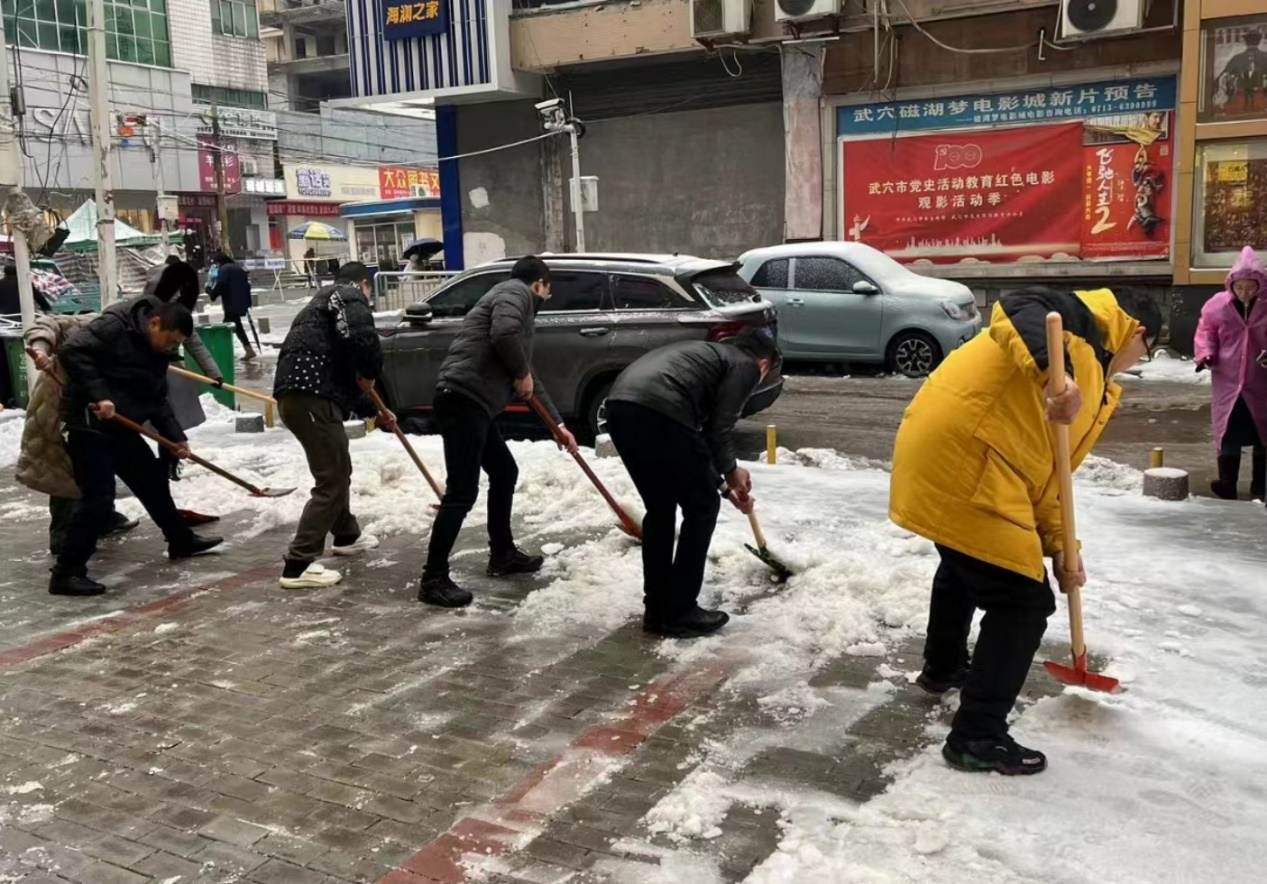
318 425
236 319
471 442
671 466
97 457
1016 611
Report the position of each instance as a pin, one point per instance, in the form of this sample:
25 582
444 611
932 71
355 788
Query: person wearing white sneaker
364 543
315 576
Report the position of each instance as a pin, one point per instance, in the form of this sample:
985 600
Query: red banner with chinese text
1125 214
399 182
996 195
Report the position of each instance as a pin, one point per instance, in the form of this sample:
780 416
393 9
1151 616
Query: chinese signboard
994 194
240 122
338 184
402 20
398 182
207 149
294 207
1049 105
312 182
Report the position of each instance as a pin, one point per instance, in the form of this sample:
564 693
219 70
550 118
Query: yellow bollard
269 417
1156 458
771 442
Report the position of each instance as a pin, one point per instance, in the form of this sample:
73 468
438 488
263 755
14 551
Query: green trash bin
15 357
218 338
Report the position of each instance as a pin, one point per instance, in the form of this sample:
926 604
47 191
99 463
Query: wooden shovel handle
1064 475
379 404
194 376
173 447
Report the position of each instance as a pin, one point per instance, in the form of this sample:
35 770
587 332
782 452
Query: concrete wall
352 135
707 182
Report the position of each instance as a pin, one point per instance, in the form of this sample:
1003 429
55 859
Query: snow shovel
223 473
378 402
1076 674
761 551
627 524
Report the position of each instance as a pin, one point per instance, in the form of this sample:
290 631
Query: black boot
443 592
693 624
999 755
74 585
937 684
120 523
1229 476
194 545
515 561
1258 474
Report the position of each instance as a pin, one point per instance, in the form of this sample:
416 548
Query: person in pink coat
1231 342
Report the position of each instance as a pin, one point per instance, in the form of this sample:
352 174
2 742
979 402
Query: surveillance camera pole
555 120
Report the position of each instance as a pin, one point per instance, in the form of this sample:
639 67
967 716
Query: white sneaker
362 544
315 576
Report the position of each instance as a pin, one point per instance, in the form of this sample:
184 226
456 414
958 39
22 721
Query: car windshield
722 287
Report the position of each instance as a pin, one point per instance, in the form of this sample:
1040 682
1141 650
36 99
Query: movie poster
1234 74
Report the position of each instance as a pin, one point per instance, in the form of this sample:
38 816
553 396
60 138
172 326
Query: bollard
270 416
603 446
354 429
1166 483
1156 459
248 423
264 325
771 443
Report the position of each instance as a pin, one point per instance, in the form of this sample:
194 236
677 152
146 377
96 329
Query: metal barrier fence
395 290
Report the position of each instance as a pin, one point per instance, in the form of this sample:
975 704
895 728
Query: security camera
549 106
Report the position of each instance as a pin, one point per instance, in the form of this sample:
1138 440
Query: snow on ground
1146 786
1166 367
10 435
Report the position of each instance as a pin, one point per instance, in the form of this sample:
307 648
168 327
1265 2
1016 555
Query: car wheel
596 411
914 354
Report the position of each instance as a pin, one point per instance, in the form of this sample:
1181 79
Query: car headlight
954 311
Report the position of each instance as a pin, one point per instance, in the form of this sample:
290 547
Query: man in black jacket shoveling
670 416
489 363
330 357
117 364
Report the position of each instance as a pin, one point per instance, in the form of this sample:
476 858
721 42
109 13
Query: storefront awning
387 207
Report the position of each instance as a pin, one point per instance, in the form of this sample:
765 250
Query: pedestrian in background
1231 342
310 267
489 363
671 415
331 356
232 286
154 274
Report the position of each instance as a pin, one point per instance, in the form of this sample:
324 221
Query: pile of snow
695 809
1108 475
1165 367
10 436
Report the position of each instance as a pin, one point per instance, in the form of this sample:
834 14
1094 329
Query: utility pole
156 161
577 209
12 178
99 95
222 210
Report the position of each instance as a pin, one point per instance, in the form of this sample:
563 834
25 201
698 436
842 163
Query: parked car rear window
643 293
458 300
724 287
826 275
570 290
772 274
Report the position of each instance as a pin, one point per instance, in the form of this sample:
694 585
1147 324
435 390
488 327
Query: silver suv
604 312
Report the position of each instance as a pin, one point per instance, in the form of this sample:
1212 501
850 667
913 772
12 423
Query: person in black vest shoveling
330 356
117 364
670 416
489 363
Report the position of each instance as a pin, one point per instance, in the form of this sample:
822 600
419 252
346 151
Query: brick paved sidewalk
198 724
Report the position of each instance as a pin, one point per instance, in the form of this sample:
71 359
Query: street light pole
578 211
99 95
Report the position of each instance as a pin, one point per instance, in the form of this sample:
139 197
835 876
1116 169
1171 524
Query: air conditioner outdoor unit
250 167
1088 19
800 10
720 18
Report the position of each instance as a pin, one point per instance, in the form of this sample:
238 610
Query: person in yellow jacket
973 471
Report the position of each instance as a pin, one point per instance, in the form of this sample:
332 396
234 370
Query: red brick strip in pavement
58 641
517 816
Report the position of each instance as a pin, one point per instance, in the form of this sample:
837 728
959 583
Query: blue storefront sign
1047 105
402 21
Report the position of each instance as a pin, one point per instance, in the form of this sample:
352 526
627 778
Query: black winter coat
493 348
331 341
11 300
699 384
233 287
111 358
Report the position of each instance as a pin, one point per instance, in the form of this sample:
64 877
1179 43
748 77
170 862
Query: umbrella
425 248
317 230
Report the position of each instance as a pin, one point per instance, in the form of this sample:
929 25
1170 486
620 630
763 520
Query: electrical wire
990 51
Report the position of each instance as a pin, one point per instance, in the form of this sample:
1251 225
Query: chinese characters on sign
398 182
1039 105
207 149
402 21
313 182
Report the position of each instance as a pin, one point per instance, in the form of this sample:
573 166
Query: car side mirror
862 287
418 314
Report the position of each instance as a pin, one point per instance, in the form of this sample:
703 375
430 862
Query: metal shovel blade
781 571
271 492
1078 676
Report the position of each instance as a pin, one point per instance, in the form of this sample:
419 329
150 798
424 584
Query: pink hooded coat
1232 346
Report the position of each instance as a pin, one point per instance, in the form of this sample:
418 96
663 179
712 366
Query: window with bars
136 30
235 18
229 97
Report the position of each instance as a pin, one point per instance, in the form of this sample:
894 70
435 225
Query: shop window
136 30
1230 210
1233 70
235 18
228 97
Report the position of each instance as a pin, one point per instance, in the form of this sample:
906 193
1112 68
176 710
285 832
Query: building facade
307 49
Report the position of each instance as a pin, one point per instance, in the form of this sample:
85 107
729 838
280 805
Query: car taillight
720 331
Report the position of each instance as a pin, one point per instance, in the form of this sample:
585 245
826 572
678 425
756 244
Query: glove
218 383
1203 364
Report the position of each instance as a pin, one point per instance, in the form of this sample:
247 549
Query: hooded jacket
1230 344
973 464
493 348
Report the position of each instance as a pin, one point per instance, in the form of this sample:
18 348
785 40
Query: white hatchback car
848 302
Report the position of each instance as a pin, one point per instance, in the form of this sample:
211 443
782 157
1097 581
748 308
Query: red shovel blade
271 492
1078 676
